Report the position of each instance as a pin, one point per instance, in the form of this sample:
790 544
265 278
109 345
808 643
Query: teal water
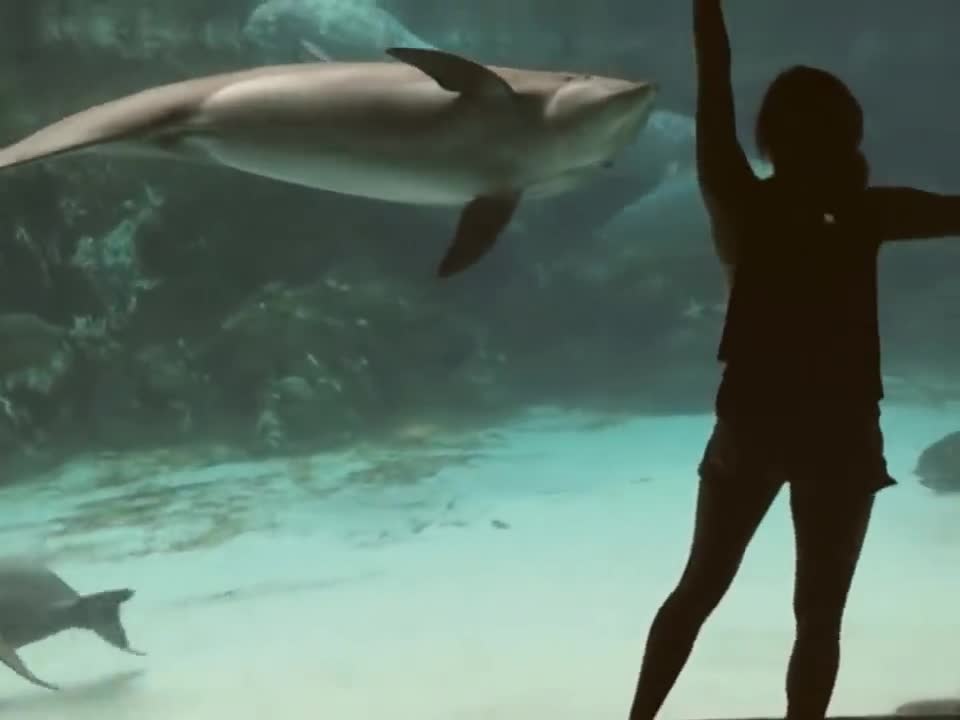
343 487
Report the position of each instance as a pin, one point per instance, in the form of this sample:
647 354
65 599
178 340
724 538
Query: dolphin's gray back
26 582
155 112
154 121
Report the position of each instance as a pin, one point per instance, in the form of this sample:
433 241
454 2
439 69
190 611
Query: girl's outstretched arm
903 213
727 181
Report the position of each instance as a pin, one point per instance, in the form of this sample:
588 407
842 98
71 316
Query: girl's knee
818 619
696 599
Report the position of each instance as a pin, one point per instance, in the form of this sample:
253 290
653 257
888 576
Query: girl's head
810 128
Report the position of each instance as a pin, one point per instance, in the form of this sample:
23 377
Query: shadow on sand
71 698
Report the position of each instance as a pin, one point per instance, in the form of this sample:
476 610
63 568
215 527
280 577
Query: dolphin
432 128
938 466
35 603
945 707
341 29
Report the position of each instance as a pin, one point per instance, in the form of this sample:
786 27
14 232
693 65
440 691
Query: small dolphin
934 707
342 29
672 219
432 129
664 149
35 604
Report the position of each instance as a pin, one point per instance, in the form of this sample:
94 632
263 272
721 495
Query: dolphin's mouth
647 106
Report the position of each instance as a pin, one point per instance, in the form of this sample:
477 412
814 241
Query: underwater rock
36 354
36 241
293 409
134 31
325 361
172 388
939 465
44 371
112 262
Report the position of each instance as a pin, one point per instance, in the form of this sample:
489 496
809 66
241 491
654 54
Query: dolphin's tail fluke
101 614
158 112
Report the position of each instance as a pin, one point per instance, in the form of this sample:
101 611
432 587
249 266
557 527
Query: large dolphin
432 129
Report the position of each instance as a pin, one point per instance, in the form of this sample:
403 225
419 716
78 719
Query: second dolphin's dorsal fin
453 72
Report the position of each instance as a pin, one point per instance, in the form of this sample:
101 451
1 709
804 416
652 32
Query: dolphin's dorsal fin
453 72
9 656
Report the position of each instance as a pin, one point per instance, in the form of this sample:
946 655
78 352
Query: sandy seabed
516 580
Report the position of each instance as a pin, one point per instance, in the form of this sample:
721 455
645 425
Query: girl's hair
807 111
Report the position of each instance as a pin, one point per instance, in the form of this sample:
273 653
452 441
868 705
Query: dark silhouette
799 399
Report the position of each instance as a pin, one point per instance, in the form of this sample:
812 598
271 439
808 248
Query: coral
112 263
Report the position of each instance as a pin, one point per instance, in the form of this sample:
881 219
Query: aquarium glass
352 467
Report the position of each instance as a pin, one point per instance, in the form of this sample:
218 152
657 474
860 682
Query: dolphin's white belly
394 175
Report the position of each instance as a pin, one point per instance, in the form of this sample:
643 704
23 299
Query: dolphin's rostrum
432 129
35 604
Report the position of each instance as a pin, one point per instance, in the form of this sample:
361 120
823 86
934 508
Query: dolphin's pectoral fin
480 225
9 656
453 72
